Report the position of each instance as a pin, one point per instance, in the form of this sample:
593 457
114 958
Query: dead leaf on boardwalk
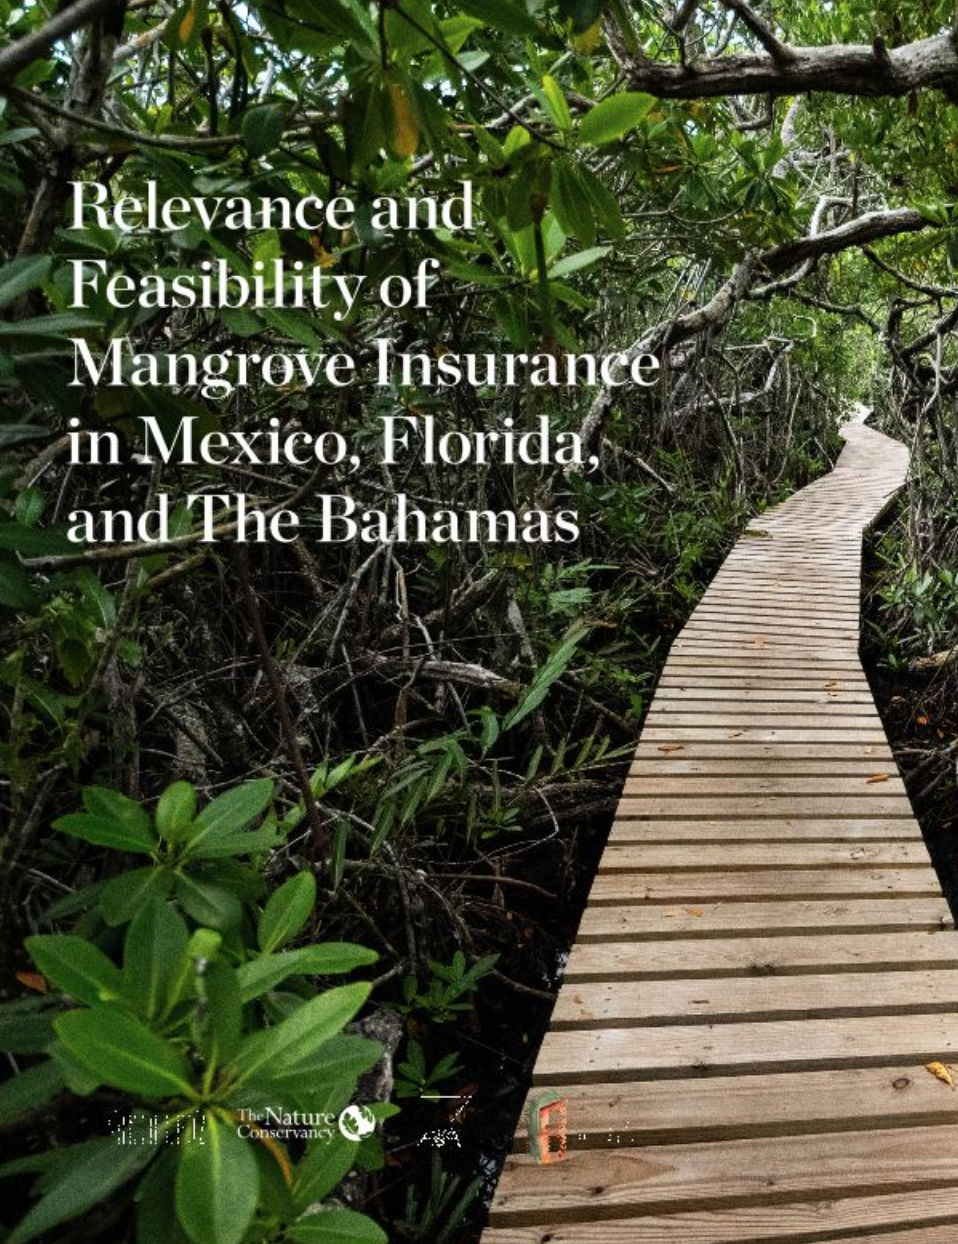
759 641
695 911
736 734
941 1072
671 747
877 777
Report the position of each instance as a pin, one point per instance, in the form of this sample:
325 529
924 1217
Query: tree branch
20 54
852 69
756 26
718 310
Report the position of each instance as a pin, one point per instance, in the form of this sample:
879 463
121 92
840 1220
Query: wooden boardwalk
766 963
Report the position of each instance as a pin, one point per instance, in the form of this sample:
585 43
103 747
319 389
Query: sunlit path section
766 963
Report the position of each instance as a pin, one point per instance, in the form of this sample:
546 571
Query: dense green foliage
287 753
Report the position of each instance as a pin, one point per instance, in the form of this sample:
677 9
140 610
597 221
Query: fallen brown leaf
34 981
941 1072
671 747
877 777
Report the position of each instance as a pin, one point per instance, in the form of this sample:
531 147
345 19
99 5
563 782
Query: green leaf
323 1169
32 542
287 911
324 1083
105 833
102 801
25 1026
176 811
246 842
217 1184
505 15
556 103
582 13
124 1053
76 967
261 975
614 117
230 812
262 128
571 204
218 1029
575 263
550 672
29 507
209 903
337 1226
604 202
298 1037
16 590
153 957
123 896
347 19
56 325
86 1175
15 433
29 1089
21 275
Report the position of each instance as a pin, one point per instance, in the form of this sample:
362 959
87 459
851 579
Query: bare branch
20 54
717 311
852 69
756 26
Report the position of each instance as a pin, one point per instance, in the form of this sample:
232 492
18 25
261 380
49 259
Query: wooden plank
744 1048
673 764
721 679
739 1107
804 1222
790 719
854 786
677 830
719 806
634 857
593 1186
698 691
759 664
761 956
761 734
876 755
652 922
741 706
712 887
618 1004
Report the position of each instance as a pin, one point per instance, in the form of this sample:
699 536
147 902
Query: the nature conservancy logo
354 1123
548 1127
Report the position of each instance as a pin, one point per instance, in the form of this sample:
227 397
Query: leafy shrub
186 1013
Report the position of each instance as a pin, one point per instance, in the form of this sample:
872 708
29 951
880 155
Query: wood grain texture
766 962
604 1116
593 1186
803 1222
576 1057
654 922
761 956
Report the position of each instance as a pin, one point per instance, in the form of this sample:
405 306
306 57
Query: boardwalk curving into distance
766 963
